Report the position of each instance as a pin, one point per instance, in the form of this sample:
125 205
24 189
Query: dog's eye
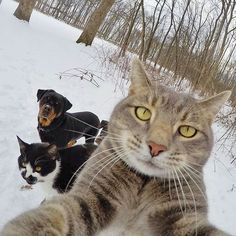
38 168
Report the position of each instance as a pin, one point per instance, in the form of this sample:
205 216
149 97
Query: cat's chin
148 168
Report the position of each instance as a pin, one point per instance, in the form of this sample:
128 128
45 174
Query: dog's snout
47 108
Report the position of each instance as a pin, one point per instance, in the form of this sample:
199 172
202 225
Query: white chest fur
47 188
48 181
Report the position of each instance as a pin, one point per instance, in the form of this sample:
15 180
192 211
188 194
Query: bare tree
133 17
195 40
143 32
95 22
167 32
155 24
24 9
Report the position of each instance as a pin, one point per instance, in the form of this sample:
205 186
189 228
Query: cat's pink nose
156 149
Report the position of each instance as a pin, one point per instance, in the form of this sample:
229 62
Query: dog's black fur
56 126
45 155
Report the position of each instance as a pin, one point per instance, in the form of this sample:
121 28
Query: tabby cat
145 178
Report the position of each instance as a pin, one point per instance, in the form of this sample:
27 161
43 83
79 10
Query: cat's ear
212 105
52 151
138 77
23 145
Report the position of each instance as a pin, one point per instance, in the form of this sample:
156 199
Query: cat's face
38 161
163 133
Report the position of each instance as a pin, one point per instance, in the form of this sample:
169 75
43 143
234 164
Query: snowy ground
31 56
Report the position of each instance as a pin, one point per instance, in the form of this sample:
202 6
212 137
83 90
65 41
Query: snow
31 57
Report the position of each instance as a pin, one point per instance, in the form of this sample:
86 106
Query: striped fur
124 191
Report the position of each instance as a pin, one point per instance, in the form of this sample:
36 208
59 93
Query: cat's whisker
117 140
192 165
109 162
120 153
197 171
177 191
195 164
77 171
114 163
181 188
115 159
197 185
91 157
75 118
104 162
92 136
199 176
96 167
78 132
170 194
193 197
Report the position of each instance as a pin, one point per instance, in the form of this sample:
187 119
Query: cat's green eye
143 113
38 168
23 164
187 131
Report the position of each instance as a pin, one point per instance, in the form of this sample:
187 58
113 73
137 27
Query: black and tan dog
56 126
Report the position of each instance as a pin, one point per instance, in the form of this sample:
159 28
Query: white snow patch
31 56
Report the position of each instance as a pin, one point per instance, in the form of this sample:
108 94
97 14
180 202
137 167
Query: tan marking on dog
46 121
71 143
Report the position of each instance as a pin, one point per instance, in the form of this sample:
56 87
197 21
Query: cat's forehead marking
176 105
29 170
164 94
184 116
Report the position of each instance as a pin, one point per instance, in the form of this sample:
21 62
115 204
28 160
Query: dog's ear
67 104
41 92
23 145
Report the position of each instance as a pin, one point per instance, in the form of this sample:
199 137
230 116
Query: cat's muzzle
30 180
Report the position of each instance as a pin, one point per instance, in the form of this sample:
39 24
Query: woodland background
189 45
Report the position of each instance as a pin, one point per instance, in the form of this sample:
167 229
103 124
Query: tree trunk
153 31
94 22
126 39
24 9
143 32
